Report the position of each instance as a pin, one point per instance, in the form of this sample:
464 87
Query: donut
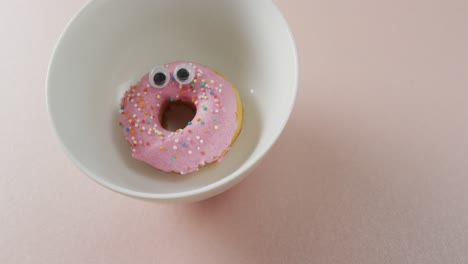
203 140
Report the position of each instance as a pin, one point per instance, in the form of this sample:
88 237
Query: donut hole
176 115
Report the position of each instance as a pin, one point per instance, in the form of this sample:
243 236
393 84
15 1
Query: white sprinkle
134 115
135 105
198 148
216 127
201 141
139 109
216 110
133 100
198 137
136 125
138 94
158 105
190 152
174 147
147 86
176 140
220 90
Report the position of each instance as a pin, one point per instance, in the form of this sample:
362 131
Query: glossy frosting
205 139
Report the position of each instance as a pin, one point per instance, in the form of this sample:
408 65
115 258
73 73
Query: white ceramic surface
111 43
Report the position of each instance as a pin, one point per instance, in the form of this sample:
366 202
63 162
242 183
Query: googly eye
159 77
184 73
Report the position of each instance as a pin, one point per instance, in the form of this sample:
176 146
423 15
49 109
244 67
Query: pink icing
211 131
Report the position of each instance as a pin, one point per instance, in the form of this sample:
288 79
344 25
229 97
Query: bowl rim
213 188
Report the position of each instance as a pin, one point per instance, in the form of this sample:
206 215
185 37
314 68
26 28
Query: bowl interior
112 43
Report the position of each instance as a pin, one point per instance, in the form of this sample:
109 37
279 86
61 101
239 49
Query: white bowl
110 44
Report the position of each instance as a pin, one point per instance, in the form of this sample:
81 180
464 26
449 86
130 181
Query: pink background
372 167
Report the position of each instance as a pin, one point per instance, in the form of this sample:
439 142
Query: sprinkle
159 133
190 152
197 137
171 99
147 144
201 141
215 119
184 144
158 96
202 122
192 84
211 92
203 153
190 123
195 81
205 131
212 81
148 122
205 108
198 119
216 127
176 140
190 131
174 158
203 84
122 108
135 105
174 147
127 130
132 131
135 142
220 90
